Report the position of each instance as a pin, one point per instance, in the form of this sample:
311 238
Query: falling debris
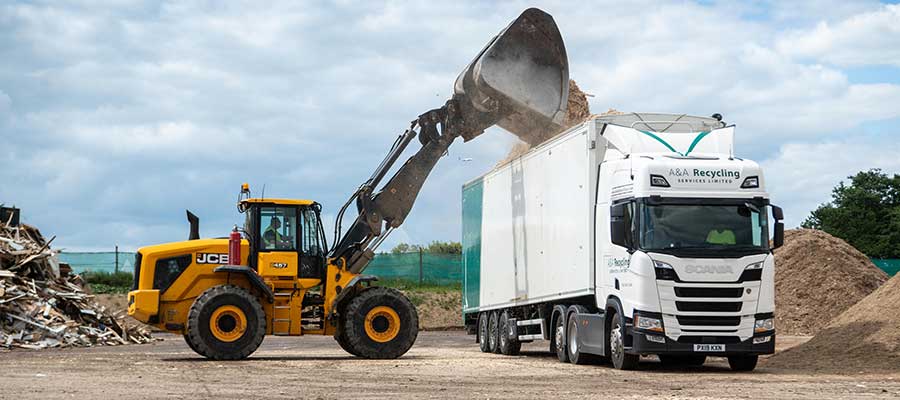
577 111
42 306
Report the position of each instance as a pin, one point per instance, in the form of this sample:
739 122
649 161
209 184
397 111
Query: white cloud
802 175
862 39
126 114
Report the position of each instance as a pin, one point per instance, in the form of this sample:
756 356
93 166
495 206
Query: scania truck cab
679 262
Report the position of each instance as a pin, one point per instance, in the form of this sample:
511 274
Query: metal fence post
420 266
117 259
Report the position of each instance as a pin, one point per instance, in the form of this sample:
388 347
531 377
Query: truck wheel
742 363
380 323
669 360
559 338
494 332
226 323
483 332
617 354
575 354
508 346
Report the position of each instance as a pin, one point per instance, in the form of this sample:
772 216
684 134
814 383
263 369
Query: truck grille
708 320
731 306
709 339
708 292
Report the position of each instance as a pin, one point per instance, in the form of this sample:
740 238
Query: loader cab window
312 247
278 228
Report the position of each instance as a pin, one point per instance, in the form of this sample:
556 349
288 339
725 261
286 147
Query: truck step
526 322
528 338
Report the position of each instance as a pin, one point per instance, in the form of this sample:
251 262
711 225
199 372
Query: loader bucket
520 80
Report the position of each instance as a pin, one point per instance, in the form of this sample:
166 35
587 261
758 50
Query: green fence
424 267
889 265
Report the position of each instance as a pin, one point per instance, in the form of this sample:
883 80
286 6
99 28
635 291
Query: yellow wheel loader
278 276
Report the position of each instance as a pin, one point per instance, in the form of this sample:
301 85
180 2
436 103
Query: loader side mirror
778 238
619 222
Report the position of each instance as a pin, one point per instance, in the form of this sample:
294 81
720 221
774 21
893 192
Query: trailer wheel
559 338
380 323
742 363
494 332
508 346
620 359
483 333
226 323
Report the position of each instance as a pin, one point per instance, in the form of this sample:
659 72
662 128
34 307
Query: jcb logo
279 265
212 258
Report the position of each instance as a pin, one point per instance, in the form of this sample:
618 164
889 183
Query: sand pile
866 337
577 111
817 277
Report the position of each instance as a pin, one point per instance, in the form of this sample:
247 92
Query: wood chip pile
40 308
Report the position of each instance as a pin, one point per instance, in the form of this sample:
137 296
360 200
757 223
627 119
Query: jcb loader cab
279 276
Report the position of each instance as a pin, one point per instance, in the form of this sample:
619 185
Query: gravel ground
441 365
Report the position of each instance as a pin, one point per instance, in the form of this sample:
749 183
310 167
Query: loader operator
273 238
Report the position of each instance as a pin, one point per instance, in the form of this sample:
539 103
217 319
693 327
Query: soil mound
817 277
866 337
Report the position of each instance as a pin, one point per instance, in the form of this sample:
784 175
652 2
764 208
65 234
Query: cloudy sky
116 116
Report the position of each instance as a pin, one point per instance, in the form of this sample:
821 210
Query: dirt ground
443 365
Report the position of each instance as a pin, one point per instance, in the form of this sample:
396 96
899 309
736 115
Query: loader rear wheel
380 323
226 323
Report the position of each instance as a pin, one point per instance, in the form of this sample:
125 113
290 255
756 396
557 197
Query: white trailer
628 235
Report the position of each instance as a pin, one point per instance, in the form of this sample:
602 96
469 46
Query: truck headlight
757 265
764 325
664 271
647 323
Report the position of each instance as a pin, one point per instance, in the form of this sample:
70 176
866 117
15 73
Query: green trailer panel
472 196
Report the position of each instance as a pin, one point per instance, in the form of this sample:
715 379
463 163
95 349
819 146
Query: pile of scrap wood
39 307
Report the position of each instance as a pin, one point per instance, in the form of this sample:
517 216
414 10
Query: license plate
709 347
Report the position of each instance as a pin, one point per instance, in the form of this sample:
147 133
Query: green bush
114 279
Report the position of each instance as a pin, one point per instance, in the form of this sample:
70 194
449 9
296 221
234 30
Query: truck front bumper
685 345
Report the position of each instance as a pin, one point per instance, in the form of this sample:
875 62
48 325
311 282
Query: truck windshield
740 227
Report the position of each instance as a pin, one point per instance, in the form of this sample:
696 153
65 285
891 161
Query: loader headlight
764 325
648 324
664 271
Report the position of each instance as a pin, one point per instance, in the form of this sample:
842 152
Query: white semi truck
627 235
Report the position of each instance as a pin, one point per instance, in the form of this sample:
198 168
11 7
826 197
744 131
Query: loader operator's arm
519 81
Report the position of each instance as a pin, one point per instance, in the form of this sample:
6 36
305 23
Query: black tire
379 323
670 360
483 333
575 354
247 339
494 332
616 335
508 346
742 363
341 339
559 338
190 344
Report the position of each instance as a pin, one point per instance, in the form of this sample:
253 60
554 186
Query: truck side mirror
618 225
778 239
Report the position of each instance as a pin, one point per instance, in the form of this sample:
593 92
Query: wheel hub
382 324
228 323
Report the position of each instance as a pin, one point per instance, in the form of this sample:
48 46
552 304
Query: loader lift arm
519 81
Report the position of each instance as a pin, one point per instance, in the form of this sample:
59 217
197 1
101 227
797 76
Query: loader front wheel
226 323
380 323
